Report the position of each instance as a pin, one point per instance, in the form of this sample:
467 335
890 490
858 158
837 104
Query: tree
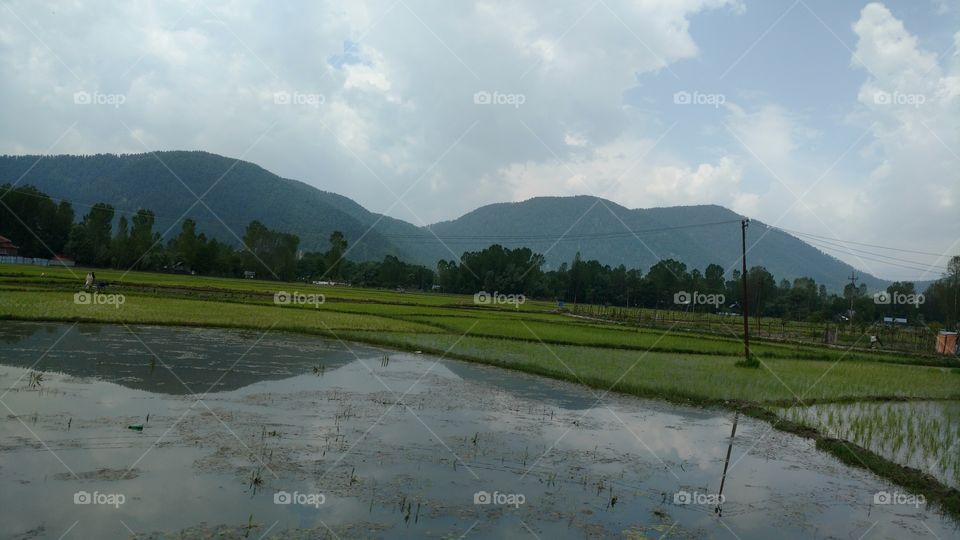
270 253
952 282
187 246
31 220
143 239
761 288
334 256
668 277
121 254
89 241
448 276
713 279
942 297
312 266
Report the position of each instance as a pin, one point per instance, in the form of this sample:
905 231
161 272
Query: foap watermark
696 298
695 497
503 499
884 298
96 98
499 98
899 98
298 98
108 499
303 499
84 298
484 298
284 298
895 497
698 98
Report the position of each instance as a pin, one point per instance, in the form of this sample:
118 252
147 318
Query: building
947 343
7 247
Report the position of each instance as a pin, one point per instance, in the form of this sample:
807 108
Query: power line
866 252
789 231
921 267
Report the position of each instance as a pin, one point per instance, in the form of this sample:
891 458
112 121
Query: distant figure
91 279
875 342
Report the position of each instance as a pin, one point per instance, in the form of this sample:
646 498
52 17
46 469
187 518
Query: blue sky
780 52
837 119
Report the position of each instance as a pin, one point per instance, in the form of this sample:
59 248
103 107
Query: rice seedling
36 379
256 480
249 526
917 434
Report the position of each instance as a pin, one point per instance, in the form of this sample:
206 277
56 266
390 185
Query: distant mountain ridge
236 192
695 235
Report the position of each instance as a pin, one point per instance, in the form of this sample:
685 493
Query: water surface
398 445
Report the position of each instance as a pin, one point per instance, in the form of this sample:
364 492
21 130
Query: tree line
670 284
41 228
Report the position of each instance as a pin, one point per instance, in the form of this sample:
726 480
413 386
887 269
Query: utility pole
743 296
853 293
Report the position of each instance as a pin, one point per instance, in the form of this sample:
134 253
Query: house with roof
7 247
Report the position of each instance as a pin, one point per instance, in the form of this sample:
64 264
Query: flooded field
149 432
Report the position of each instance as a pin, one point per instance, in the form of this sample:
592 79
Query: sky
834 119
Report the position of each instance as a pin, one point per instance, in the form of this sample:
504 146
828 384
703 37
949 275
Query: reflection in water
302 438
190 360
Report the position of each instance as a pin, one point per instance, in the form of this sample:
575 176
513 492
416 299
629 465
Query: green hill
236 192
696 235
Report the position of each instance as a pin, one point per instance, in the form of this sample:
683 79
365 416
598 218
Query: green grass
73 277
662 362
690 376
677 362
141 309
696 370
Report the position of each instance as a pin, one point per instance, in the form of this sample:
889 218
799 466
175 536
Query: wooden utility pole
743 295
853 294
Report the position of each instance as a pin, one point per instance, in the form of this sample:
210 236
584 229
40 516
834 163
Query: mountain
695 235
236 192
232 193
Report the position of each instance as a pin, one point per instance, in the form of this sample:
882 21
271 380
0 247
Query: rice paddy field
921 434
895 416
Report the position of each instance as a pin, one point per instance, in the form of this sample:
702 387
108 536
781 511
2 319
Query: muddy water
366 443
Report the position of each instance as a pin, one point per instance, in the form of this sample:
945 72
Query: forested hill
233 194
237 192
603 230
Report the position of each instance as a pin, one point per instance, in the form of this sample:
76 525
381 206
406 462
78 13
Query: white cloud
914 131
624 172
398 81
202 77
772 133
904 190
